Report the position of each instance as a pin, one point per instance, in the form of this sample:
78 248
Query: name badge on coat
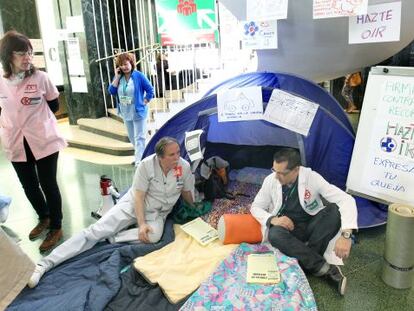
125 100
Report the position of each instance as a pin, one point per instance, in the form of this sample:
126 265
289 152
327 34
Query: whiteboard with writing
382 165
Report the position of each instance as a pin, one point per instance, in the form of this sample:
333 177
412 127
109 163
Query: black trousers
308 241
38 178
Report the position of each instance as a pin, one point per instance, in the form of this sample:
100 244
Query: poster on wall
75 67
73 48
74 24
259 35
240 104
186 22
289 111
229 36
338 8
382 23
78 84
264 10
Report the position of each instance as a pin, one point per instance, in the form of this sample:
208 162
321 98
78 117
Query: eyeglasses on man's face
284 173
22 54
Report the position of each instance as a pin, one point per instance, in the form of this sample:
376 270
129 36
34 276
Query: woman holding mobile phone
133 92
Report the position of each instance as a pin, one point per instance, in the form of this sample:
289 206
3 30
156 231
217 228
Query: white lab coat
311 186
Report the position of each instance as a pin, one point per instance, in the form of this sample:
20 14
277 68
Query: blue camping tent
327 149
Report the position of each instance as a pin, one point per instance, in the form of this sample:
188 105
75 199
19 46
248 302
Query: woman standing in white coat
29 134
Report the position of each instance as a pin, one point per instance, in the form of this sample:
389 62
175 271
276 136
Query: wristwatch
346 234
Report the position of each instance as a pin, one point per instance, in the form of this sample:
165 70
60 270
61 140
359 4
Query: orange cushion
238 228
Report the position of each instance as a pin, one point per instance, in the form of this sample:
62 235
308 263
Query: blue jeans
137 130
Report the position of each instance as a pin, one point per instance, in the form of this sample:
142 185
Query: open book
262 268
201 231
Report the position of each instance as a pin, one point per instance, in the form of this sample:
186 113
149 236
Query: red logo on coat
26 101
178 171
307 194
30 88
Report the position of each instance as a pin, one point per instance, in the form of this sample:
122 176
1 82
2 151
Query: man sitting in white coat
159 181
295 220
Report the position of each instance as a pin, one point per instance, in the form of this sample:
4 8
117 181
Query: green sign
186 20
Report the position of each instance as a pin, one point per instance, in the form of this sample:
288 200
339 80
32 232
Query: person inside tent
159 181
295 220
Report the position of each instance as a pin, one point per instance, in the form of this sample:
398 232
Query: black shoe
336 278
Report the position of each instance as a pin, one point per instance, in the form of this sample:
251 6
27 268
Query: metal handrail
150 46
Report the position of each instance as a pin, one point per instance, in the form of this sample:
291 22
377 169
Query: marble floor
79 184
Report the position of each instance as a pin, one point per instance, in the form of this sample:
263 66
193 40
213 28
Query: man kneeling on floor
294 219
159 181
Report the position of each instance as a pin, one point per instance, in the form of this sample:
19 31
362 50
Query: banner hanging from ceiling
186 21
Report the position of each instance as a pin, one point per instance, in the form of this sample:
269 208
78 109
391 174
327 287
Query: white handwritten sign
337 8
75 24
73 48
240 104
382 23
192 145
264 10
79 84
259 35
290 111
391 150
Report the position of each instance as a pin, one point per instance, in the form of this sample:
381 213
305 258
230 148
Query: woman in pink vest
29 135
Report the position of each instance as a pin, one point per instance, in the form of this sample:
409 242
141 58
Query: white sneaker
36 276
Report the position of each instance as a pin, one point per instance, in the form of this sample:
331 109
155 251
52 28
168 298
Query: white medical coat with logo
311 186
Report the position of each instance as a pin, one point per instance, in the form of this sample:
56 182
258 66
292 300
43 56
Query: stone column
91 104
21 16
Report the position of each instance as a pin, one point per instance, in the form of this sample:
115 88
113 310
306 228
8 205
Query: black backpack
214 187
